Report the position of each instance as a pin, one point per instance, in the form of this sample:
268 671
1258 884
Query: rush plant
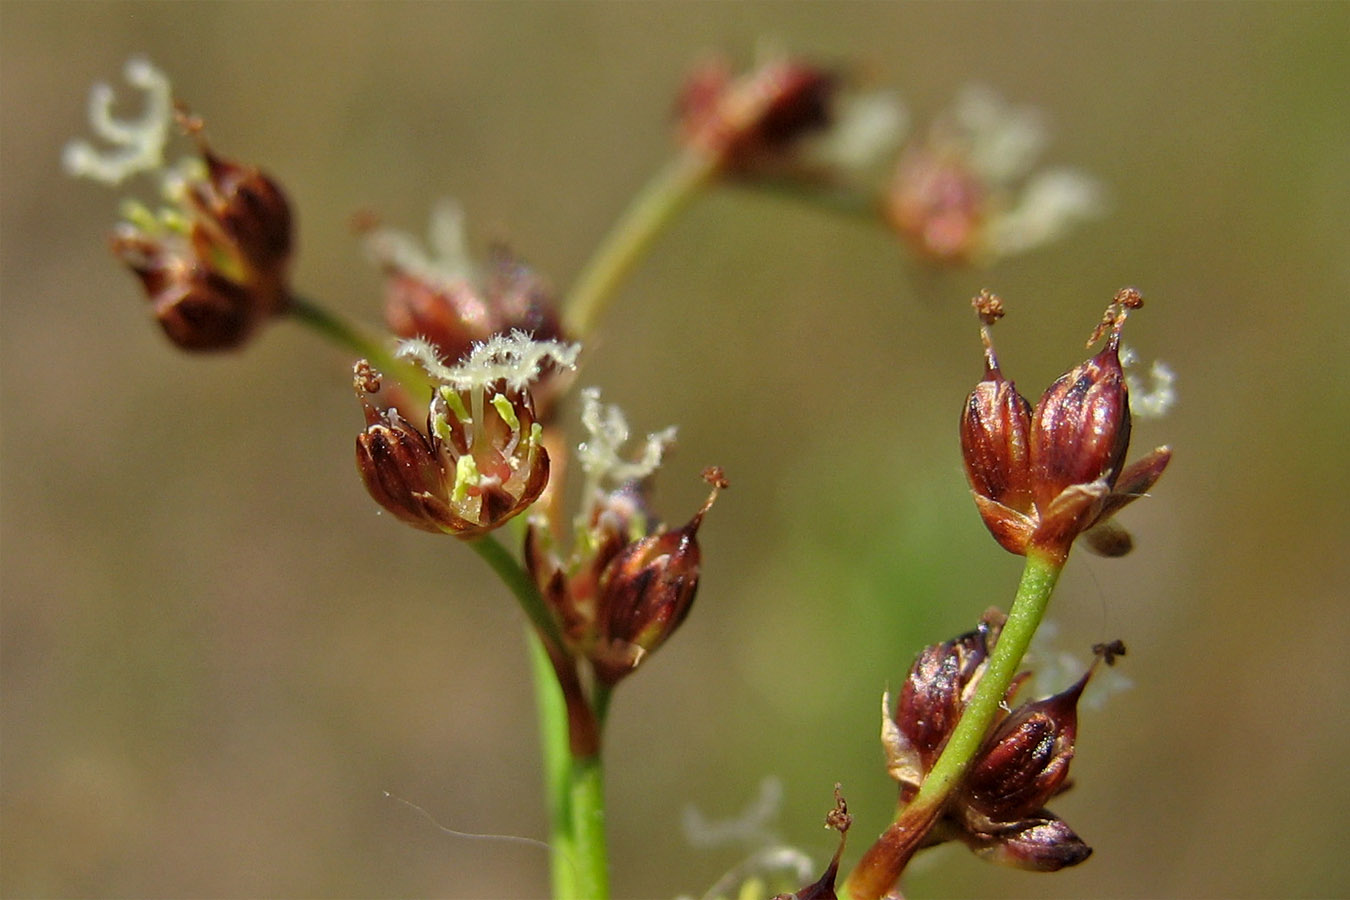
462 400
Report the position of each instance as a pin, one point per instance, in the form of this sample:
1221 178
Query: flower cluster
214 260
963 193
998 810
1041 477
486 344
630 581
754 121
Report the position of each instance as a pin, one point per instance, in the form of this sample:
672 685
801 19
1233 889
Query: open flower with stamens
480 459
966 193
214 259
1041 477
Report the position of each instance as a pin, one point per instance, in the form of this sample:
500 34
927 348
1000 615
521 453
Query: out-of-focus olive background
217 656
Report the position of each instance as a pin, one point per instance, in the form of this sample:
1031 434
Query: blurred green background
216 656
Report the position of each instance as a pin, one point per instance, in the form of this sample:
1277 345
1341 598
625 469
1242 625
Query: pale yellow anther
456 405
440 427
139 216
506 411
466 476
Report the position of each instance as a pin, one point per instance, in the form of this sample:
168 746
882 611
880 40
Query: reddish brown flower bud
198 307
646 592
1082 426
454 315
1042 477
965 193
935 692
998 807
628 582
403 469
450 317
442 298
754 121
995 438
250 211
212 286
572 593
1041 844
1023 762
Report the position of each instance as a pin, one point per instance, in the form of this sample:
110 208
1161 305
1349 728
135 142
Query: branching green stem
884 861
651 210
349 336
570 723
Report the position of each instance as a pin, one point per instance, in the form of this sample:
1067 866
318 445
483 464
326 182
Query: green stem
881 865
651 210
575 789
553 735
1033 595
600 703
586 795
574 781
347 335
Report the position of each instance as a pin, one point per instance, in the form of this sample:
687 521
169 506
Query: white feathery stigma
1156 397
607 432
1002 140
867 130
444 261
138 144
516 359
1050 205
